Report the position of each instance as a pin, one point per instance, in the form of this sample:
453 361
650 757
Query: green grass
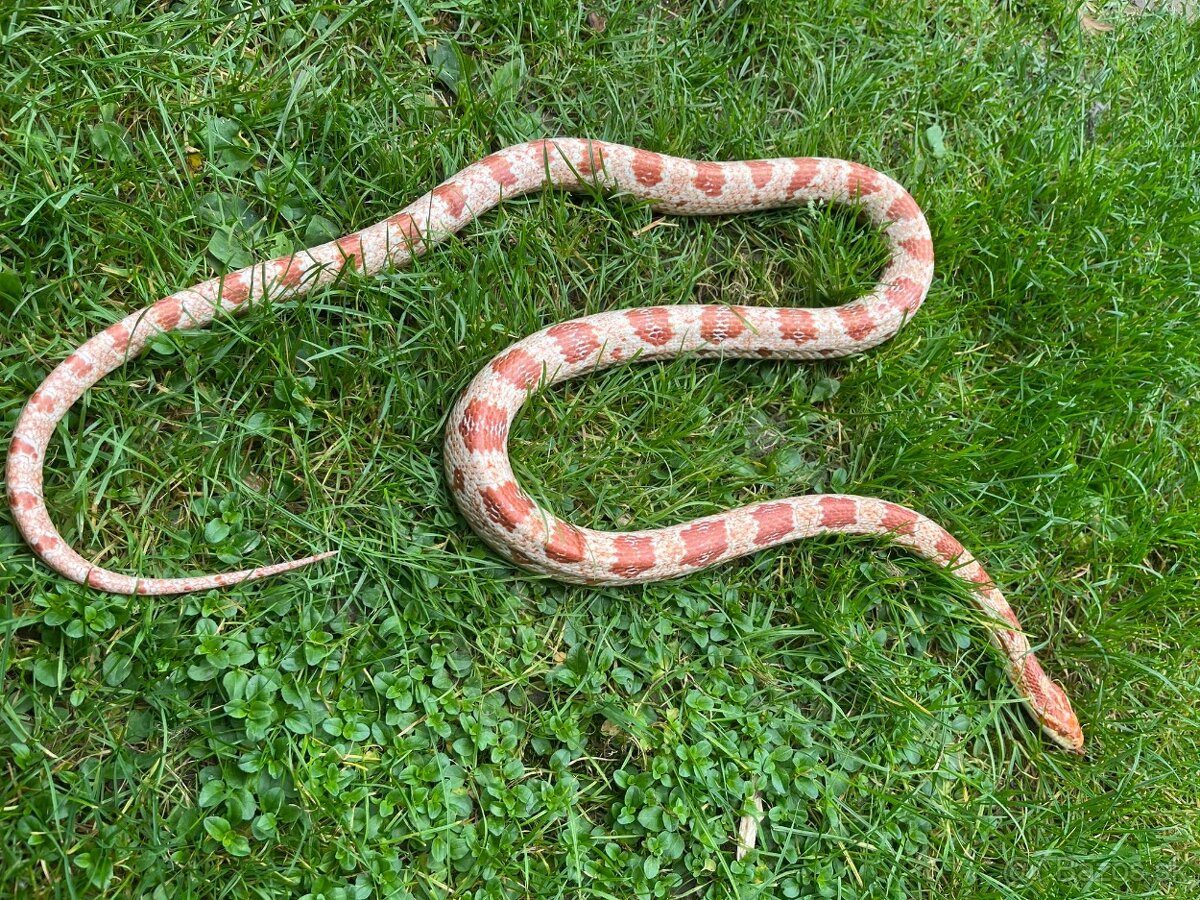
419 719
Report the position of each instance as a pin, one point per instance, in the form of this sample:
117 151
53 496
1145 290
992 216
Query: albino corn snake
476 447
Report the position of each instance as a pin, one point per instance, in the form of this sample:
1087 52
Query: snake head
1053 710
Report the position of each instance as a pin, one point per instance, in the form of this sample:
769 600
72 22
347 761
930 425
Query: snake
476 449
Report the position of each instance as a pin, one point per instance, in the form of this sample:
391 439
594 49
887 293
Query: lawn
419 719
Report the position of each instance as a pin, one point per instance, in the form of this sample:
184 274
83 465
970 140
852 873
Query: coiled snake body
476 449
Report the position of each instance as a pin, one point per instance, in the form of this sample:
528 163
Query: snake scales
476 448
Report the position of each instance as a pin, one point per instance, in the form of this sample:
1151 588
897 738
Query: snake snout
1060 720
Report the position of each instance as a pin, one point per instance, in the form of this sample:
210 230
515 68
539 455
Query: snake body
476 447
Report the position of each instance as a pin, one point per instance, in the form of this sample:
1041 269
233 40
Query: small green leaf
672 845
223 210
937 140
825 389
259 686
507 80
116 668
788 461
263 827
524 125
225 246
239 651
212 793
202 671
235 684
221 132
280 245
46 671
651 818
108 140
10 286
101 874
217 827
216 531
320 230
237 844
447 65
240 803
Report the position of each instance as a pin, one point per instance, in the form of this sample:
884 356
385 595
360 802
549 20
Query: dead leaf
596 22
194 159
657 223
748 829
1093 26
